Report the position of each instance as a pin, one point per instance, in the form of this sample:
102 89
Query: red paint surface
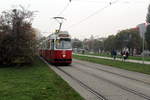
57 56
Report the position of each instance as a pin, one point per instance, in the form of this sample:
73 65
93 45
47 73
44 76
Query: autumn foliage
17 37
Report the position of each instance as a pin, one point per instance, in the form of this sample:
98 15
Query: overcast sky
104 20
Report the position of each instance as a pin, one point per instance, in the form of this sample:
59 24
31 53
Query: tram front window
63 44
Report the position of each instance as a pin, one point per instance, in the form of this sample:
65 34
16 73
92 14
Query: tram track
110 72
115 84
97 94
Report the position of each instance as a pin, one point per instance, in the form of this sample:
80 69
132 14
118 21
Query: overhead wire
90 1
99 1
65 8
93 14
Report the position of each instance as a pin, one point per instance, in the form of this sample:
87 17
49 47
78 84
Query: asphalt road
99 82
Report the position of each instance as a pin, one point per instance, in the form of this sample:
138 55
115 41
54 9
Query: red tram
57 48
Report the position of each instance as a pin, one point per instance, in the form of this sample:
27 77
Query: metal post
142 30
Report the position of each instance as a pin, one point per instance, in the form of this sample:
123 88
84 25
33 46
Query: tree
130 39
76 43
97 46
135 41
109 43
147 34
148 15
17 41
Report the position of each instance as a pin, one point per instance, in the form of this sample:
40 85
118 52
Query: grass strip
142 68
34 82
118 56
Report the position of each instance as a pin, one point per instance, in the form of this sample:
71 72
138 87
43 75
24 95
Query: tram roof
56 34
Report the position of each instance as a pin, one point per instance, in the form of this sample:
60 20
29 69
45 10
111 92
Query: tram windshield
63 44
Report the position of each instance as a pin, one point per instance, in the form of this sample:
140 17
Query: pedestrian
125 55
122 55
114 54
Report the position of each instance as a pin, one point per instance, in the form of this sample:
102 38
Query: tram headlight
64 55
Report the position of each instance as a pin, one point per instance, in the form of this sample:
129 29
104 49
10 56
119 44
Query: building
142 29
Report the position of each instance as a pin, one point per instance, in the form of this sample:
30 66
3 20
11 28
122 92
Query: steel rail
115 74
117 85
97 94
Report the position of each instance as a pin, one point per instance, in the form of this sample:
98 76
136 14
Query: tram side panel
63 56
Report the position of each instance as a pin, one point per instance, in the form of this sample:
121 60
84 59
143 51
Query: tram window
44 45
63 44
48 45
52 44
58 45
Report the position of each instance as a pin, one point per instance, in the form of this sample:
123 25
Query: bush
17 37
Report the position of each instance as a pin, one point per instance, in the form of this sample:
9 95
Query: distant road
101 82
127 60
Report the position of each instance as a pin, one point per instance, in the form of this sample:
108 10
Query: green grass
34 82
142 68
139 58
130 57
